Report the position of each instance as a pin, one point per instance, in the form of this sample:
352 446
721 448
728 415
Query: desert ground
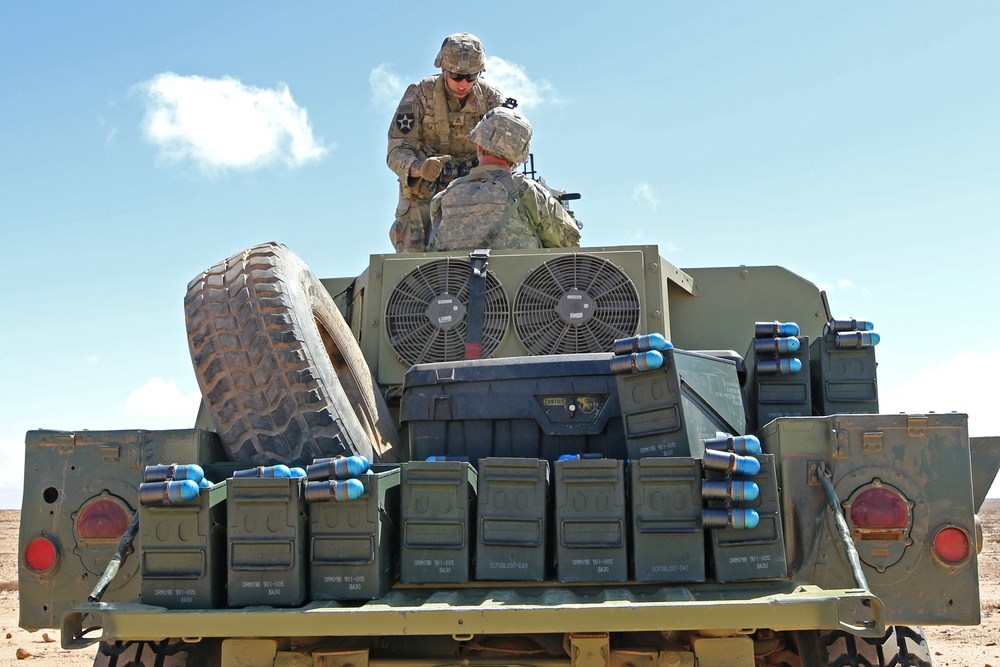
964 646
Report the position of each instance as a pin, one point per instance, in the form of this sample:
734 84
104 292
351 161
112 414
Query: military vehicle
546 457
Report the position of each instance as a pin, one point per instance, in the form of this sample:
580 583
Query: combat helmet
504 133
461 53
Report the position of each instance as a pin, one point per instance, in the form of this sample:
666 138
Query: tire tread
267 399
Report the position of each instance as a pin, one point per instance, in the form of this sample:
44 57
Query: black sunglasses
471 78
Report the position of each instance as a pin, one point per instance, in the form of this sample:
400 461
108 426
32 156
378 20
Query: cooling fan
425 315
573 304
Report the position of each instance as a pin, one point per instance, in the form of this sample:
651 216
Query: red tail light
879 513
952 545
40 555
102 518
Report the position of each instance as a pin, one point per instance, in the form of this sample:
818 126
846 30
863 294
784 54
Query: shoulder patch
404 121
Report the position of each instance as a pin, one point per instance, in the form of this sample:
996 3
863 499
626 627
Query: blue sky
857 144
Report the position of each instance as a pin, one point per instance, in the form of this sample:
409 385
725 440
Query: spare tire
279 369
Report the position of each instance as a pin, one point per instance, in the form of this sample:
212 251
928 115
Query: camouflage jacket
430 122
494 208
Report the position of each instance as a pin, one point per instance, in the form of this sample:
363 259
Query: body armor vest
482 212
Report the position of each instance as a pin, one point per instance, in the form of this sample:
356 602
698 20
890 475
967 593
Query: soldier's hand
431 168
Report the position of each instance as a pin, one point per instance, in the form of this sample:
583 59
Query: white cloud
843 285
163 405
643 194
839 285
156 405
513 81
387 87
224 124
966 384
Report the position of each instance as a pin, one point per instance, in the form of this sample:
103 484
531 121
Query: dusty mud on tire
278 368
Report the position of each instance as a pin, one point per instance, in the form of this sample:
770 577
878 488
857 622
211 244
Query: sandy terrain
977 646
17 647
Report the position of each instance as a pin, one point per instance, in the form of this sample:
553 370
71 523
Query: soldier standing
429 144
492 207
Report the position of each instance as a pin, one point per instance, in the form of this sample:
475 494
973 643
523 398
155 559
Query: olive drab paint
623 560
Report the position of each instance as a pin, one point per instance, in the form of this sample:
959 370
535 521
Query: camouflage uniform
430 121
494 208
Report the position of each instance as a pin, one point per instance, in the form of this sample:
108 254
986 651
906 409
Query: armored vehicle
545 457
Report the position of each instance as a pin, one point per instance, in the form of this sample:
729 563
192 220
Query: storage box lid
512 368
570 394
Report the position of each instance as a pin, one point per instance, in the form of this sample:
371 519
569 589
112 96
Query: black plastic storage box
353 543
527 407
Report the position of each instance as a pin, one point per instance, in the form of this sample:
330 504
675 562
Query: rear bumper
508 610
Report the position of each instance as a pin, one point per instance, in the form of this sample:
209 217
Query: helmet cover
461 53
504 133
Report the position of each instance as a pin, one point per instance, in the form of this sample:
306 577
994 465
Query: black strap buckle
476 312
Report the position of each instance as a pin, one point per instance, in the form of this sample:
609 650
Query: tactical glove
431 168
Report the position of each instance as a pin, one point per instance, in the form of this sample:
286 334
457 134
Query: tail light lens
952 545
41 554
879 512
102 518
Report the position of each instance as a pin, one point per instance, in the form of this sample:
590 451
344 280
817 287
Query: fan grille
575 304
425 318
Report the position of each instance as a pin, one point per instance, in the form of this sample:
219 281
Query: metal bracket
864 616
590 649
812 475
63 442
479 257
840 445
916 427
872 442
